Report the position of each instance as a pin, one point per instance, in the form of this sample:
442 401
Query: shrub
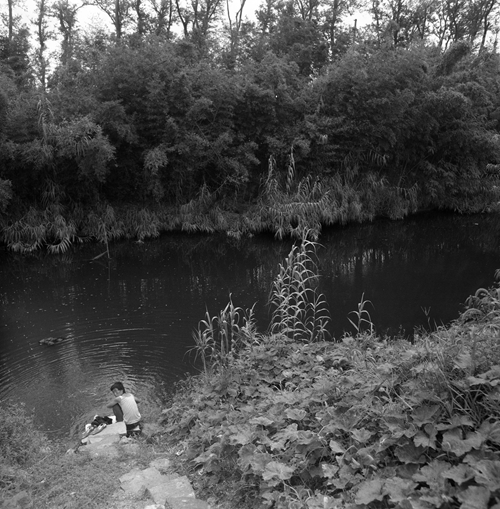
366 422
20 441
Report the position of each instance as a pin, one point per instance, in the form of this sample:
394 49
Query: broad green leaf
457 421
410 453
329 471
399 489
262 421
256 460
361 435
460 473
431 474
370 491
242 436
491 431
275 469
426 437
424 414
296 414
488 474
454 443
336 447
474 497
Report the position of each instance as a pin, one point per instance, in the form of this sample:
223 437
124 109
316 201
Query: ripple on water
66 384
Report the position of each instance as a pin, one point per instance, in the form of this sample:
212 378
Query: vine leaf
370 491
336 447
491 431
399 489
431 474
474 497
361 435
453 442
275 469
424 414
410 453
488 474
263 421
427 438
295 414
460 473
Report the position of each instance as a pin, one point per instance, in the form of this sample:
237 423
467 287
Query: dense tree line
179 118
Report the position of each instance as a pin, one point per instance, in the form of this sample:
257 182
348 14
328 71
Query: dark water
132 318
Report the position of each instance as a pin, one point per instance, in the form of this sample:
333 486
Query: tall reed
298 310
219 338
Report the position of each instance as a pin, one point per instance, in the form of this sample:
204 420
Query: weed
365 422
298 311
362 317
220 337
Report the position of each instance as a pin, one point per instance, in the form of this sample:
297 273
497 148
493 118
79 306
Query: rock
102 447
162 464
138 481
187 503
103 440
178 488
20 500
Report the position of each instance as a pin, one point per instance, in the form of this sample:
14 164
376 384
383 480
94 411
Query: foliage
304 127
298 311
219 338
20 441
358 423
53 476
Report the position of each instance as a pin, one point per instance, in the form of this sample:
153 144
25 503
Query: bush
20 442
368 422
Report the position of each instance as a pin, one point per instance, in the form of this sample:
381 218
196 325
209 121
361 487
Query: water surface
131 318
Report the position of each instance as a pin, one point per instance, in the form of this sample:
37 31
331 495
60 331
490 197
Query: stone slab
118 428
178 488
187 503
103 440
162 464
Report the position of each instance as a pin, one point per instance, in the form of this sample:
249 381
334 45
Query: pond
131 318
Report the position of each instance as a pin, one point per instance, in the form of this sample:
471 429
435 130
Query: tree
43 35
198 18
118 12
164 17
66 15
14 55
234 30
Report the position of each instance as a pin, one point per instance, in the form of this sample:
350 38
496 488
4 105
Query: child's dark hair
117 385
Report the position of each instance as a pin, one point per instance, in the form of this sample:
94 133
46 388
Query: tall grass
298 310
218 338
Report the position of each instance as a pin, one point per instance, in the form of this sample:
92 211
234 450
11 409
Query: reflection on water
131 318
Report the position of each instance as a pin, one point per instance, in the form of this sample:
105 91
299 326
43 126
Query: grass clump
365 422
53 478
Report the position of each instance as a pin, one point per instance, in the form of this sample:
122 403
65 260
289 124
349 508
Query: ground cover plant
361 422
53 476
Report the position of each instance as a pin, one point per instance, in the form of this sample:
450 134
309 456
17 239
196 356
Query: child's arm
115 401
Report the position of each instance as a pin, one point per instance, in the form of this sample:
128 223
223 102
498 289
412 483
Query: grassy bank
366 422
285 207
288 420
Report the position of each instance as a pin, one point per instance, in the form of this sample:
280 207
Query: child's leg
117 410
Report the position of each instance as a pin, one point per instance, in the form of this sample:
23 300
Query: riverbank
284 211
283 422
